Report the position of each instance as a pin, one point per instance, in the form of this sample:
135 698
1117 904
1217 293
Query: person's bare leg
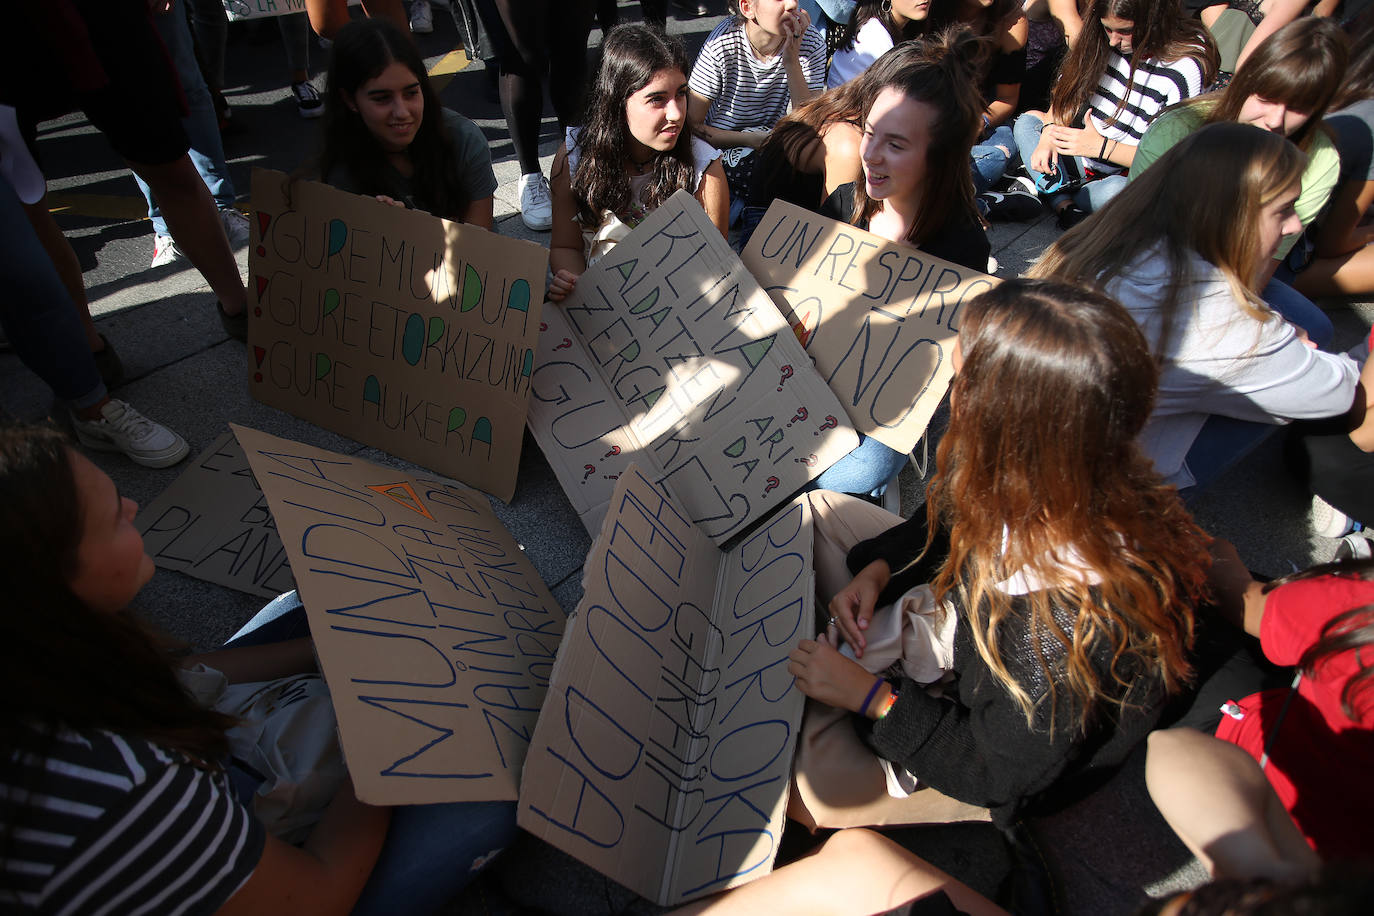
1345 275
194 222
388 9
1215 797
856 871
64 258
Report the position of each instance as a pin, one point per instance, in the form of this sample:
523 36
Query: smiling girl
386 135
633 153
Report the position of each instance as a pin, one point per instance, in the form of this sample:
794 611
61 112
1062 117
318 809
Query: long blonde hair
1203 197
1039 474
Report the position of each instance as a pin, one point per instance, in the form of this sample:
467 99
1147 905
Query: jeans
200 123
1300 311
989 161
431 851
1220 445
865 470
38 315
1090 196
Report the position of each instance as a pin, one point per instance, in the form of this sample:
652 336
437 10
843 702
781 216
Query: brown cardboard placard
393 327
664 751
213 523
433 629
669 354
878 318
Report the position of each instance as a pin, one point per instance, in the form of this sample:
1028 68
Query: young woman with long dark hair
874 28
1133 59
632 153
1072 567
386 135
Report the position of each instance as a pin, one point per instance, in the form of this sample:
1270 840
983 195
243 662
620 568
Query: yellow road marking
449 64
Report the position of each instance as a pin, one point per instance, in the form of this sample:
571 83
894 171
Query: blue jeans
200 123
38 315
1220 445
431 851
1090 196
865 470
1299 310
989 161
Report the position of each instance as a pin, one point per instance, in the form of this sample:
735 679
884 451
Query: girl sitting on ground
633 152
1133 59
116 789
1284 87
1184 248
916 189
874 28
1072 568
387 136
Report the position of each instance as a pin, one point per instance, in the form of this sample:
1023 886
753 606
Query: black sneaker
1070 216
308 101
1017 205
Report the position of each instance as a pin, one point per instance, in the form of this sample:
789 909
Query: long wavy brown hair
1160 33
1201 198
1350 631
941 71
1040 474
630 56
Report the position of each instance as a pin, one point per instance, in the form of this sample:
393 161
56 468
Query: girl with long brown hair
874 28
1185 247
1072 568
1133 59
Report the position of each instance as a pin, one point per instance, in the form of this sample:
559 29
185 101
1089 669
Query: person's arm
246 664
714 196
1361 417
1011 45
1342 232
799 87
842 163
327 875
1085 141
1277 14
1237 597
697 106
566 257
480 212
1065 12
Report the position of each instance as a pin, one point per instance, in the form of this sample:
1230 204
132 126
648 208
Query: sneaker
536 206
1018 205
1070 216
165 251
1325 520
236 326
992 265
692 7
107 363
235 226
421 17
1354 547
123 429
308 101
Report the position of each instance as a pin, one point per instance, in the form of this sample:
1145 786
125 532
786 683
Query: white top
1153 87
1219 360
871 43
744 91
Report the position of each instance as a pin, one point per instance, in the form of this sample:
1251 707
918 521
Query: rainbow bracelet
890 702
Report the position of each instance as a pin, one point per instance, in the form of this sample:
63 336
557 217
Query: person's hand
391 200
1074 141
562 285
852 607
756 138
794 26
1044 159
824 674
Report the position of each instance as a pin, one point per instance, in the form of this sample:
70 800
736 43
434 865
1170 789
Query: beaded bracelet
890 702
872 692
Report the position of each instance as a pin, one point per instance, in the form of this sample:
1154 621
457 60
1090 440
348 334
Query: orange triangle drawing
403 494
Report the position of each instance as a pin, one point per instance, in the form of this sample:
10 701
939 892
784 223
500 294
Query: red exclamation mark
263 220
262 285
258 354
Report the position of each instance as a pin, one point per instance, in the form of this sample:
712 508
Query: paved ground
185 373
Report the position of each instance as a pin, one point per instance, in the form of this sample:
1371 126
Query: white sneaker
235 226
123 429
165 251
1326 521
1354 547
421 17
536 206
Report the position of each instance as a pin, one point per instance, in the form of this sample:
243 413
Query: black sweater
974 744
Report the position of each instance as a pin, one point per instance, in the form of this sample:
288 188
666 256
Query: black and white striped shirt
99 823
746 92
1153 87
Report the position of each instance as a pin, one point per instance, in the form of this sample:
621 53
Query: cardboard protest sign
236 10
394 327
668 354
663 754
213 523
434 632
878 318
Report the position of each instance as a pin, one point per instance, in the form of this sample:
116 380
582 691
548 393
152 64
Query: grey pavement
184 372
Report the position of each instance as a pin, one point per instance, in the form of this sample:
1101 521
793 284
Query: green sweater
1318 181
